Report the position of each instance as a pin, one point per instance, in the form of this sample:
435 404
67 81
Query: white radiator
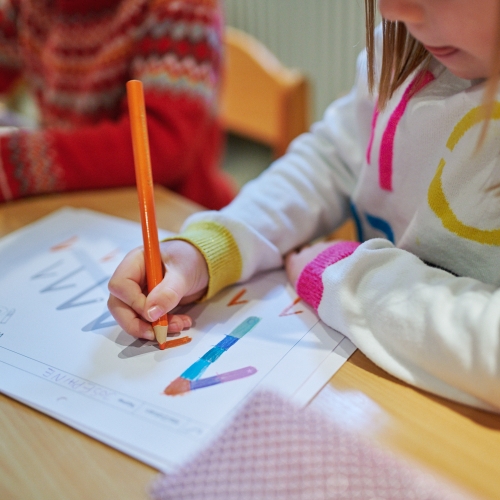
320 37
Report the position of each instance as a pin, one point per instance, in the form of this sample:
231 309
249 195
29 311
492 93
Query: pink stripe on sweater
387 144
310 283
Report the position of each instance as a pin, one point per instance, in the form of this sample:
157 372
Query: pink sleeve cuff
310 283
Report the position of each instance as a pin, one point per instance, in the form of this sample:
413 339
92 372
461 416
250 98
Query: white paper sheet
62 353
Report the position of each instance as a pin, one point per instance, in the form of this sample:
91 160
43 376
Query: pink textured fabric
273 450
387 144
310 284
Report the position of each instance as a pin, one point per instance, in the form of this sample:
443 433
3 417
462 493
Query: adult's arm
181 76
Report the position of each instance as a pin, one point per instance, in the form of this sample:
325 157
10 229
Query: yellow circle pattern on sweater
436 197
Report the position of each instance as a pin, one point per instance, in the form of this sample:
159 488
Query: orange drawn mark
65 244
169 344
235 300
111 255
178 386
286 311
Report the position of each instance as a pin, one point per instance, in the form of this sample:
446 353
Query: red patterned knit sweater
77 56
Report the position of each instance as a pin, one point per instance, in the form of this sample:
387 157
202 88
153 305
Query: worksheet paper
62 353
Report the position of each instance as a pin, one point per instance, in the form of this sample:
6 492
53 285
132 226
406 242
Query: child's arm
300 197
289 205
423 325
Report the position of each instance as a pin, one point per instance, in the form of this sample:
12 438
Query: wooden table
44 459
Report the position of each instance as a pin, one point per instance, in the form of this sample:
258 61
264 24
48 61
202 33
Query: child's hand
296 260
186 280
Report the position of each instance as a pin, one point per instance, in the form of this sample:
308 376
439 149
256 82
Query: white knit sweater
420 295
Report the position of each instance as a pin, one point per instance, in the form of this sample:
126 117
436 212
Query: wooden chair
265 101
261 99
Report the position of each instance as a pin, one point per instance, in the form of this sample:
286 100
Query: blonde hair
402 55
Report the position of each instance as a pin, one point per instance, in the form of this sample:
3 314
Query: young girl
418 167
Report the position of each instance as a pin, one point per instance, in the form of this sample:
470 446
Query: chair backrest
261 99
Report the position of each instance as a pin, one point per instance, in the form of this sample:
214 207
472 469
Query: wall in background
321 37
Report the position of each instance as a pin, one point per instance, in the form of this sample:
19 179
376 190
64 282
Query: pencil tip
161 335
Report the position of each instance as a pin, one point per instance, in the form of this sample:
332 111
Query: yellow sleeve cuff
220 250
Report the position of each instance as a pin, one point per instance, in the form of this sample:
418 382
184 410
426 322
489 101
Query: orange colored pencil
144 181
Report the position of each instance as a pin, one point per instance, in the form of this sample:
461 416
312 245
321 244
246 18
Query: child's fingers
129 320
167 295
293 267
128 279
296 261
135 325
133 311
178 322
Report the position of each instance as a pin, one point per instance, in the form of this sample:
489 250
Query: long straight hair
402 55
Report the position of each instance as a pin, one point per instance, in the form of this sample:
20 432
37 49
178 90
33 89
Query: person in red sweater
76 56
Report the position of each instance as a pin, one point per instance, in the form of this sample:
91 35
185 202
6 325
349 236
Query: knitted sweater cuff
220 250
310 283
